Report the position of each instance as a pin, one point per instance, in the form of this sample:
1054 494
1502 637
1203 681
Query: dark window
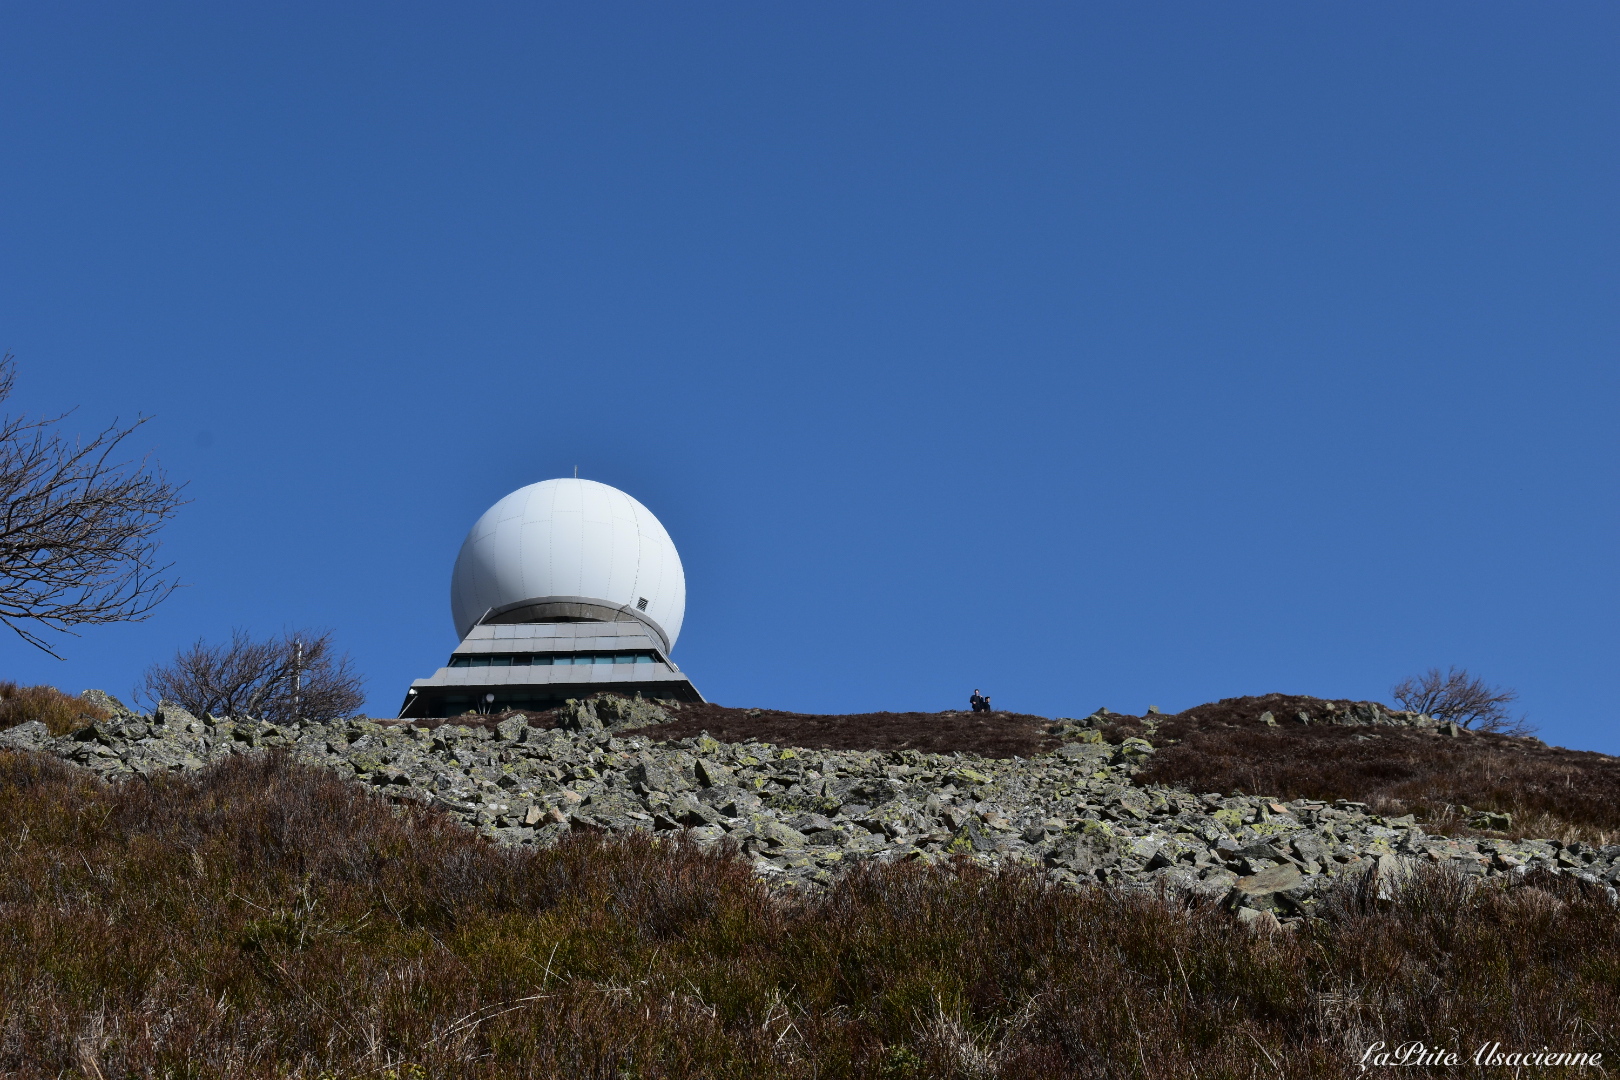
500 661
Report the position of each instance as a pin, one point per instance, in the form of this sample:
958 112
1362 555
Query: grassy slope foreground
262 919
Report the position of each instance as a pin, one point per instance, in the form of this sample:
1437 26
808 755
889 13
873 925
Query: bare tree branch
298 676
1462 699
77 527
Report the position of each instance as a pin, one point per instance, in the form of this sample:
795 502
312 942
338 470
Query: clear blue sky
1091 355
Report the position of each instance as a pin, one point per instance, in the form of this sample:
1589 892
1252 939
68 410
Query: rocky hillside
1310 748
802 815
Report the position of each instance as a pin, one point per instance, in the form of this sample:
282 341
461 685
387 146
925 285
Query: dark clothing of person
979 702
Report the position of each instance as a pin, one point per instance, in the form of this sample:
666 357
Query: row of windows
554 659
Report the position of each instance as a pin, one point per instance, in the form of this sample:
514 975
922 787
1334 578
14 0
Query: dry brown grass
60 712
265 920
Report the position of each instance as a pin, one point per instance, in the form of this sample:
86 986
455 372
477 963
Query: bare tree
1463 700
298 676
77 527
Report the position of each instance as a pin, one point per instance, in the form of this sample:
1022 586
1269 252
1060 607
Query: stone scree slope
801 815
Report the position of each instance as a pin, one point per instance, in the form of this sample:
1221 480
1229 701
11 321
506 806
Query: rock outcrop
803 815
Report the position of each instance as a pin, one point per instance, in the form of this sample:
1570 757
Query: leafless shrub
1462 699
296 676
77 528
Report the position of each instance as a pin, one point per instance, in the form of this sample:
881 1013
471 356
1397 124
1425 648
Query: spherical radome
574 539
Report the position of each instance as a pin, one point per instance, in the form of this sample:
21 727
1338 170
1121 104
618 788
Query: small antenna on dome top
576 472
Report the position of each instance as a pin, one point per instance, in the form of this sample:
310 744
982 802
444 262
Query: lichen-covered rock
106 703
30 736
172 715
580 716
620 712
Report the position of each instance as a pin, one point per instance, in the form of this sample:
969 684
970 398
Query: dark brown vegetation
264 920
995 735
59 712
78 528
297 676
1224 747
1462 699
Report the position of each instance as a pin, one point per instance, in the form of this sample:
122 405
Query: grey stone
712 774
652 776
864 791
777 834
618 712
1184 881
689 811
731 801
580 716
30 736
106 702
1389 873
810 822
1256 890
1257 921
1308 847
1262 849
513 728
172 715
1085 751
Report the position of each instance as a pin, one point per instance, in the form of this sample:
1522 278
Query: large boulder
106 703
30 736
1260 890
618 712
580 716
172 714
652 776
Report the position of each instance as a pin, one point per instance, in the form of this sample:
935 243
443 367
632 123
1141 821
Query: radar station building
563 589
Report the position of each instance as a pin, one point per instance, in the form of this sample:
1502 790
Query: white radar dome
568 550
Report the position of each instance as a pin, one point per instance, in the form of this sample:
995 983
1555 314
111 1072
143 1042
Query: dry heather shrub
1223 746
264 920
59 712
